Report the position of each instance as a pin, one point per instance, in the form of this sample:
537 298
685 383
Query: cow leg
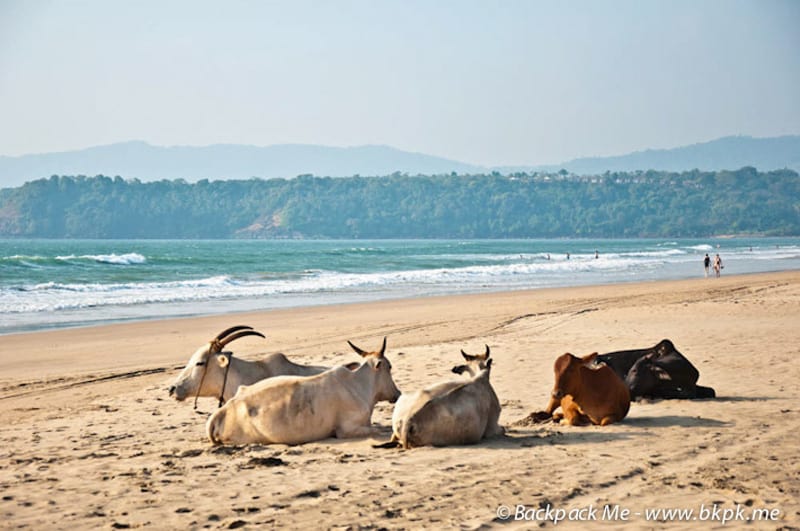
670 391
608 420
547 414
704 392
572 412
351 431
552 405
495 431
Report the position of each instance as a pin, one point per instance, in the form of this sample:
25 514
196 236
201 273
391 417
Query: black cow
657 372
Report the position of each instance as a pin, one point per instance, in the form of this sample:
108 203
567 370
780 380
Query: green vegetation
640 204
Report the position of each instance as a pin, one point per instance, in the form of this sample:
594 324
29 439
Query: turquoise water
58 283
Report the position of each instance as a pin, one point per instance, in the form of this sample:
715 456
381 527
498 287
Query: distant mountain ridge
137 159
727 153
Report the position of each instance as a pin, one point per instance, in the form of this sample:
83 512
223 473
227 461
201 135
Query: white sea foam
98 286
114 259
56 296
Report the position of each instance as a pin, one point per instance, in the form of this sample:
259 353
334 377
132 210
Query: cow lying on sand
300 409
449 413
586 394
657 372
212 372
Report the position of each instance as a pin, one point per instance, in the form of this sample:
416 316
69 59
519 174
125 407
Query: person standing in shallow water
717 265
706 263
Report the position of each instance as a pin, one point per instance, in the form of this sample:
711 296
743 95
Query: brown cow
586 394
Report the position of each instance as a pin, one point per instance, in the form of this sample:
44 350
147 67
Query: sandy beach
90 438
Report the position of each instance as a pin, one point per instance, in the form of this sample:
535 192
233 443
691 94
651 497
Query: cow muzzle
557 394
177 393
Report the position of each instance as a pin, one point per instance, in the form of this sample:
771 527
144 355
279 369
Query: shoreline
58 285
211 322
300 301
91 438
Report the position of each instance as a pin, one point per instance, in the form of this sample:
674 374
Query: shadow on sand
741 399
683 421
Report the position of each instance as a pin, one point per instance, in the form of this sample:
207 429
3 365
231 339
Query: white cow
300 409
453 412
212 372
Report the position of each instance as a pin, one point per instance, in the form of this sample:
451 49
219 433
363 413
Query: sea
47 284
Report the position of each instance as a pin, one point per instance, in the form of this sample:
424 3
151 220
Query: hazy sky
491 82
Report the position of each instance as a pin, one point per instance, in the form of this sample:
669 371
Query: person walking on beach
717 265
706 263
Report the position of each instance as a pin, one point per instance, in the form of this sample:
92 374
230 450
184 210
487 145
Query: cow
448 413
301 409
212 372
657 372
586 393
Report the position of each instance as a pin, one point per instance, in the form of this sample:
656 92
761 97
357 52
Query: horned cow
212 372
300 409
449 413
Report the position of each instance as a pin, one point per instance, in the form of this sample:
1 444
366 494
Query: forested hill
638 204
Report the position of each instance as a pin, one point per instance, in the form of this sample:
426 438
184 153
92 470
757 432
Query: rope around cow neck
229 355
225 377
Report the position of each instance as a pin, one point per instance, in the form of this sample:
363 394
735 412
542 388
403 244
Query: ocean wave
95 281
17 257
56 296
26 261
113 259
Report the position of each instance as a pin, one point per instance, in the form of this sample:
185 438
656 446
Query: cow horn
359 351
487 354
232 330
237 335
383 348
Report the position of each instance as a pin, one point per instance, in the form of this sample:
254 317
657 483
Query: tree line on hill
613 205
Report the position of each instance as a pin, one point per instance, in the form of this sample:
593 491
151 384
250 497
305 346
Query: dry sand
90 439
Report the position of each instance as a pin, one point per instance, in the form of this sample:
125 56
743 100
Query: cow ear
589 359
378 364
223 360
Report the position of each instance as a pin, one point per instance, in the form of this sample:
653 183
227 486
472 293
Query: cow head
645 376
475 364
378 363
664 347
204 374
567 369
